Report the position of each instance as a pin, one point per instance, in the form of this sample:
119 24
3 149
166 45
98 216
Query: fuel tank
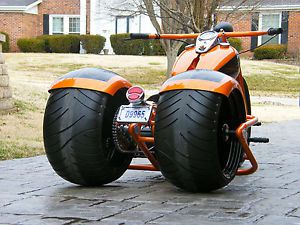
222 58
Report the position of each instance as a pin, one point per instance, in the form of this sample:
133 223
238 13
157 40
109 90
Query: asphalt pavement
31 193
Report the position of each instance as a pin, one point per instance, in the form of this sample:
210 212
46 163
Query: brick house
31 18
268 13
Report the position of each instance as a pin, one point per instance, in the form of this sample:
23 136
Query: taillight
135 94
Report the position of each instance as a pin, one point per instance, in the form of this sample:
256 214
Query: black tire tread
187 147
76 135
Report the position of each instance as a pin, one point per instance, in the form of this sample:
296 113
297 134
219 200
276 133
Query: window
74 25
58 25
123 24
64 24
267 21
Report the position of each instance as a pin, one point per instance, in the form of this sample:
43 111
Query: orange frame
225 88
241 134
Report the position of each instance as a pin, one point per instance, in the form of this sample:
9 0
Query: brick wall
18 25
59 7
240 22
294 33
22 25
70 7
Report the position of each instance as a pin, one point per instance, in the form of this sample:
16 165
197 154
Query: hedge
153 47
124 47
236 43
67 43
31 45
5 45
135 47
64 43
92 43
271 51
46 39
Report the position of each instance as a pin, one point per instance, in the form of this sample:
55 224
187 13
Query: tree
179 16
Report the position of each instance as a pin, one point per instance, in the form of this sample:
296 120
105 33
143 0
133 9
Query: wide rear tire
78 136
193 150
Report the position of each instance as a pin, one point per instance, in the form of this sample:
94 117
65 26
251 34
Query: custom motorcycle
196 131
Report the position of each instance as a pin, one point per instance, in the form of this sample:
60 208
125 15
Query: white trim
260 24
65 22
82 16
13 8
33 4
33 10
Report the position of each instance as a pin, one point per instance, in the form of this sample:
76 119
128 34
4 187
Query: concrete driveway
31 193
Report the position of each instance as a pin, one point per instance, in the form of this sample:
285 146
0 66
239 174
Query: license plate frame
134 114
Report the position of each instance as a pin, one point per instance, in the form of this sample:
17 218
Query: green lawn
269 78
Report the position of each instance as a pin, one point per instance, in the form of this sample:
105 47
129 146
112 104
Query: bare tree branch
180 16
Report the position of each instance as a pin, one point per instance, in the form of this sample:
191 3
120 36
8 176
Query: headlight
206 41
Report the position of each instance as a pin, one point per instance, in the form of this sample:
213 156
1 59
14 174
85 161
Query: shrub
236 43
46 39
124 47
64 43
153 47
92 43
135 47
271 51
5 45
31 45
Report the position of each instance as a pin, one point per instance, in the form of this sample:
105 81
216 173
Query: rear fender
205 80
92 79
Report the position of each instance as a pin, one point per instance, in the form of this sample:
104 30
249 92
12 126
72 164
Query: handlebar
139 36
271 31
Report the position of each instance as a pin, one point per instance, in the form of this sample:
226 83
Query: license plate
134 114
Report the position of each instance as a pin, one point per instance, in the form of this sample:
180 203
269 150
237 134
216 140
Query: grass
281 85
23 107
13 150
58 68
267 78
143 76
154 63
32 74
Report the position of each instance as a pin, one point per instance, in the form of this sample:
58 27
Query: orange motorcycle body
92 79
217 70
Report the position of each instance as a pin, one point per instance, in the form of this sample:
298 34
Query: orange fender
92 79
206 80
